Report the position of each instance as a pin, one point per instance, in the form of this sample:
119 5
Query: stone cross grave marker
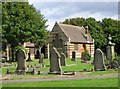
21 60
63 59
55 65
110 51
98 61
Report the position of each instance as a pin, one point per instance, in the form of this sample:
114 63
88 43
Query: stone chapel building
69 38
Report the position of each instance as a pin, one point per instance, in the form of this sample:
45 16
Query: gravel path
57 79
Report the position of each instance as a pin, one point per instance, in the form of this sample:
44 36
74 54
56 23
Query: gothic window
60 43
57 42
53 43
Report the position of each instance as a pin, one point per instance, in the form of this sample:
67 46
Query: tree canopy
99 30
21 22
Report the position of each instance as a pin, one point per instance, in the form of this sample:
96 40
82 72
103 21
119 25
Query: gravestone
21 60
98 61
55 65
73 56
110 53
41 58
63 59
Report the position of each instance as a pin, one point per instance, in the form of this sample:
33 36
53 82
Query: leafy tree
96 32
75 21
21 22
111 26
100 30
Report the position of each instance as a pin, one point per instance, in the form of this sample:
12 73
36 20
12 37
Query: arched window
53 43
57 42
60 43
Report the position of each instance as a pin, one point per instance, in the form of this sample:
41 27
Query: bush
20 47
86 56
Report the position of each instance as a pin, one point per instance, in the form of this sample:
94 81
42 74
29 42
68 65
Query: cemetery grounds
84 76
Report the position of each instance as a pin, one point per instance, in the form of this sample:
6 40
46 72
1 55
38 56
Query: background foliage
100 30
21 23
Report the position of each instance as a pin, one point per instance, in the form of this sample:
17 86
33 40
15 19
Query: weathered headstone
41 58
73 56
63 59
55 65
98 61
21 60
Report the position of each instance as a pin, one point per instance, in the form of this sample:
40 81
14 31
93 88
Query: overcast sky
59 11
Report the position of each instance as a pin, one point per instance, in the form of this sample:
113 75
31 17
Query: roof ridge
71 25
75 33
62 30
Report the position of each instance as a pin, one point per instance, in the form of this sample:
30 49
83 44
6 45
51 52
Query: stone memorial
98 61
110 54
21 60
41 58
63 59
55 65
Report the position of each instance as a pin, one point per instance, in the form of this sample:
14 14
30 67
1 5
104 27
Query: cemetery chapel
68 39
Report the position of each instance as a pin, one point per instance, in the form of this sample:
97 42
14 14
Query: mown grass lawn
71 66
107 82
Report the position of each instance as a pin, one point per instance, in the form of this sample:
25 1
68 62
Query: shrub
86 56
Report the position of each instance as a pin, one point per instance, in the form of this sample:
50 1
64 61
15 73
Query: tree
111 26
21 23
75 21
100 30
96 32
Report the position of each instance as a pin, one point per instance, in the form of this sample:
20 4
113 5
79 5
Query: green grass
71 66
108 82
103 72
76 66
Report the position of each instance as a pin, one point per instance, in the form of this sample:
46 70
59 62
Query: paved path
57 79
